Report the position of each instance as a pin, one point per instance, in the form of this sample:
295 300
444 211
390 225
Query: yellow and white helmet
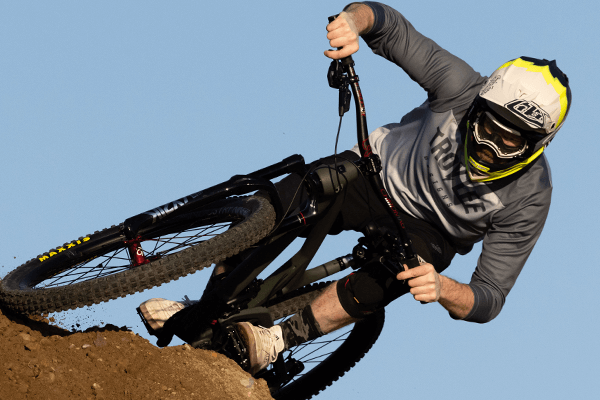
525 100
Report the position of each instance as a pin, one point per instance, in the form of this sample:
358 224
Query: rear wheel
101 267
327 358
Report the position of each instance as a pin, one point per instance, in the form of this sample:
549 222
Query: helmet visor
505 141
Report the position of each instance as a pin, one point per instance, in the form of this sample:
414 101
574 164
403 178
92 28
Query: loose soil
41 361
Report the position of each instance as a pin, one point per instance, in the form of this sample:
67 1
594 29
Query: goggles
506 142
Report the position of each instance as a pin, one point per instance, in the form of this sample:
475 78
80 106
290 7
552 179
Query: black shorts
371 287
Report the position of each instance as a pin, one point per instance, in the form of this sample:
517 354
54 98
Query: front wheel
102 267
327 358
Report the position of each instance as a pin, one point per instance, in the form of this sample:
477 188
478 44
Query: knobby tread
241 236
357 344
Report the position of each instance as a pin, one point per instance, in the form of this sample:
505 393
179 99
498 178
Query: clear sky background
111 108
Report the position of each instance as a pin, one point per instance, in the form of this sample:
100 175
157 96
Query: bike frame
294 274
241 296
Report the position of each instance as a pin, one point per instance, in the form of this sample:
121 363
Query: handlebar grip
331 19
346 60
411 263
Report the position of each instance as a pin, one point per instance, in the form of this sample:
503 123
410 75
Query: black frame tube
237 185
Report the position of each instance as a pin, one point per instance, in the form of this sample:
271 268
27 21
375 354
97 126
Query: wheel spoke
119 260
314 352
186 240
85 271
320 344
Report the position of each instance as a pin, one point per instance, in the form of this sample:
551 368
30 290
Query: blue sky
111 108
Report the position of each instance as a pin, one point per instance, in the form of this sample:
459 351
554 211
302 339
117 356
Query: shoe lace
187 302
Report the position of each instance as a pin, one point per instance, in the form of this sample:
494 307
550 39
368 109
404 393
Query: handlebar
342 74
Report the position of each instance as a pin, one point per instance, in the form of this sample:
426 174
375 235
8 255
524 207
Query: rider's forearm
456 297
362 16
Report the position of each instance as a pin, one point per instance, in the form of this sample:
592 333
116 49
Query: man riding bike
465 166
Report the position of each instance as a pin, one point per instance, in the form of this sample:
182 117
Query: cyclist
465 166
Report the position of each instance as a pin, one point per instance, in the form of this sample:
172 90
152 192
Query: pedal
235 348
150 330
163 337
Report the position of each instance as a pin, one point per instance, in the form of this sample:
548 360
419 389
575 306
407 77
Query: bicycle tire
60 279
358 341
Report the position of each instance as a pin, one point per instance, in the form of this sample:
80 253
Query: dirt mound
40 361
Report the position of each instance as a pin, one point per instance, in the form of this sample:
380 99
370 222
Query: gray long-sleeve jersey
424 168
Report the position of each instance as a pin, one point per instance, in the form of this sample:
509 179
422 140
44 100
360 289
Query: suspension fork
136 253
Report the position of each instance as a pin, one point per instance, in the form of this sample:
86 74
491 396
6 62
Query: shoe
157 311
263 344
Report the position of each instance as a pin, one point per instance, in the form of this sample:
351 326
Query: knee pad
359 294
368 290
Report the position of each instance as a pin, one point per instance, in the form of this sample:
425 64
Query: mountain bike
241 222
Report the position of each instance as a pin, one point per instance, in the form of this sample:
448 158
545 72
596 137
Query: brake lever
337 79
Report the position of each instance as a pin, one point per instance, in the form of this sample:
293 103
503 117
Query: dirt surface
41 361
